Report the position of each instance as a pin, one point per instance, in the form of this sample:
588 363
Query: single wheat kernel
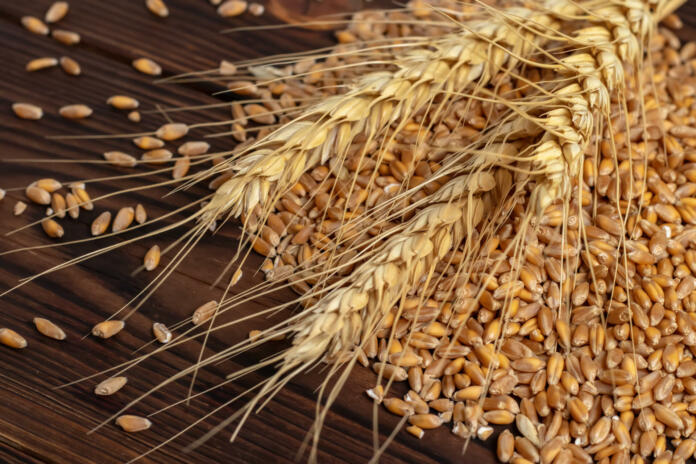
66 37
19 208
48 184
131 424
27 111
147 66
232 8
123 219
140 214
204 312
157 7
9 337
118 158
123 102
148 143
48 328
134 116
35 25
254 334
236 277
227 68
41 63
52 228
161 332
181 167
172 131
158 156
77 111
107 329
194 148
56 12
101 223
256 9
2 194
73 207
414 429
83 197
110 386
152 258
38 195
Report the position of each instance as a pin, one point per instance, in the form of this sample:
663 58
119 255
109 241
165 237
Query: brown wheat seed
134 116
118 158
110 386
38 195
123 102
256 9
204 312
27 111
157 7
140 214
130 423
152 258
76 111
66 37
157 156
123 220
35 25
148 143
161 332
56 12
70 66
100 223
193 148
147 66
49 329
9 337
52 228
41 63
19 208
107 329
172 131
232 8
72 204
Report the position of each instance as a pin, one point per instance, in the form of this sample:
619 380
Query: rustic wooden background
41 424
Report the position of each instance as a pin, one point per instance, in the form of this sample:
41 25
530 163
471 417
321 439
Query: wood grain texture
42 424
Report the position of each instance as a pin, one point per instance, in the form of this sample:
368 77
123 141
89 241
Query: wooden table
39 423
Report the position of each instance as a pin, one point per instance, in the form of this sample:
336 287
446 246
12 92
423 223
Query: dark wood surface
41 424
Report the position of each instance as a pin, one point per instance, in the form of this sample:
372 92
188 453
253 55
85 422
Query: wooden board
42 424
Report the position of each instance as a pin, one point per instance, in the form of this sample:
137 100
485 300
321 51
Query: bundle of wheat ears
493 202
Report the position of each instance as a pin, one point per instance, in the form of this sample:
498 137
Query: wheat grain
231 8
38 64
34 25
70 66
66 37
108 329
77 111
9 337
56 12
157 7
27 111
147 66
131 424
123 102
49 329
110 386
